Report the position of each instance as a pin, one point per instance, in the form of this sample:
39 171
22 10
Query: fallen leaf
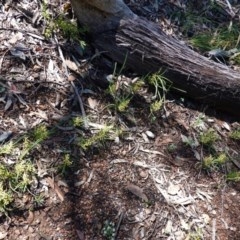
3 235
92 103
71 65
56 188
80 235
30 217
137 191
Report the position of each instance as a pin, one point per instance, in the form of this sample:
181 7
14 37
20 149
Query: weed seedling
213 163
109 230
209 138
235 134
233 176
39 200
65 165
6 198
22 175
101 136
172 148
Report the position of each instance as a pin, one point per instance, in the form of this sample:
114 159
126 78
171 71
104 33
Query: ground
145 178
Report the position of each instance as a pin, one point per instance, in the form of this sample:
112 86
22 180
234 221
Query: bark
149 49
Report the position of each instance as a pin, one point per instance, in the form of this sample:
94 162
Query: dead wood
149 49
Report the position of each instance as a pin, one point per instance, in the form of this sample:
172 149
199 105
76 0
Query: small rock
214 212
145 137
143 174
150 134
225 206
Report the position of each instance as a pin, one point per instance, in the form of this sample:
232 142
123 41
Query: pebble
143 174
150 134
226 206
17 232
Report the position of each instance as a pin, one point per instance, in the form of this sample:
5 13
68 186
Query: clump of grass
214 162
39 200
65 164
109 230
6 197
223 38
209 138
7 148
235 134
161 86
19 175
22 176
171 148
40 133
77 122
233 176
86 142
69 29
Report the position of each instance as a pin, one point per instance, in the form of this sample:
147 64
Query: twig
81 105
73 85
24 32
119 223
214 229
230 8
1 61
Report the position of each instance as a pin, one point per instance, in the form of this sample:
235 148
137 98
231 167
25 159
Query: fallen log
120 33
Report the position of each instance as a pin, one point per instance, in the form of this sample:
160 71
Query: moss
233 176
223 38
235 134
214 162
209 138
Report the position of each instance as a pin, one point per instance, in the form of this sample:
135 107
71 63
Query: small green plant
189 141
7 148
6 198
213 163
39 200
235 134
109 230
22 175
49 26
121 95
69 29
224 38
233 176
4 173
199 122
172 148
97 138
159 82
137 86
40 133
161 86
18 175
123 104
209 138
156 106
195 235
77 122
65 165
